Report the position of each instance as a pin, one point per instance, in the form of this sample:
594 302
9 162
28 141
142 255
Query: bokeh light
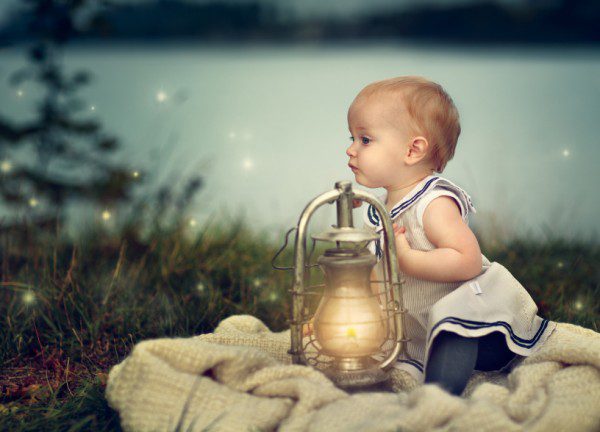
5 166
28 297
248 164
161 96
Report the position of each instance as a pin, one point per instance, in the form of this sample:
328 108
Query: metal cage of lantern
310 352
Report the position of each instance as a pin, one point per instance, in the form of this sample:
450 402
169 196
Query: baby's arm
457 256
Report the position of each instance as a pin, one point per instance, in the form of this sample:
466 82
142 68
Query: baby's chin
361 181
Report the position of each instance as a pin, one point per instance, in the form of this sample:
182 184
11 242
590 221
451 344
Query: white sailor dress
494 301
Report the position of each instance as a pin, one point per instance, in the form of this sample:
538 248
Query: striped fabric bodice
419 295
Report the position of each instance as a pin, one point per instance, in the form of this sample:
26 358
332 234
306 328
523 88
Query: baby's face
379 141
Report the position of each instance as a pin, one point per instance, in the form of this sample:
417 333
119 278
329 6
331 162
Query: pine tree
68 157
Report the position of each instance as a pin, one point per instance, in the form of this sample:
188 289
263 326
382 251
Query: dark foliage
59 157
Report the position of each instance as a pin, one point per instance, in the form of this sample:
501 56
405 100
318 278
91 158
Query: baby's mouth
352 167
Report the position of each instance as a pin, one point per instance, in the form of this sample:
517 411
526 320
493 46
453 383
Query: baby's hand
401 243
307 329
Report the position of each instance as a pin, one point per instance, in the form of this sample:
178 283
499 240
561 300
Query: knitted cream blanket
240 378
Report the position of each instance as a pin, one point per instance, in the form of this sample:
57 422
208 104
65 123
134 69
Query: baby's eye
365 140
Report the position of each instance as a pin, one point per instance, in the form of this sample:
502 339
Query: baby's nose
350 150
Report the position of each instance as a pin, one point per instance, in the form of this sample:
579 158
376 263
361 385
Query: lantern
358 331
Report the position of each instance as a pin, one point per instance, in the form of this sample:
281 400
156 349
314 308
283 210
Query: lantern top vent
346 234
347 258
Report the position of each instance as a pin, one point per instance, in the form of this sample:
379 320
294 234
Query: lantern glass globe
349 320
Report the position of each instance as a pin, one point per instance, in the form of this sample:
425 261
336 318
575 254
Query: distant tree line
567 21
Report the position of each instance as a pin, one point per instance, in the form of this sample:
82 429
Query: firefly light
161 96
28 297
106 215
248 164
33 202
5 166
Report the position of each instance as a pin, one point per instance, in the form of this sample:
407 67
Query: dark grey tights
453 358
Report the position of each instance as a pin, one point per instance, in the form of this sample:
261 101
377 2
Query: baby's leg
451 361
493 353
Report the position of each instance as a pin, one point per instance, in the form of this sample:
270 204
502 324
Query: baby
402 131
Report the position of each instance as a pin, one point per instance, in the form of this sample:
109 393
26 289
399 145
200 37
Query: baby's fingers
398 229
307 330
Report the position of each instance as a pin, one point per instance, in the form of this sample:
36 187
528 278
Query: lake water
266 125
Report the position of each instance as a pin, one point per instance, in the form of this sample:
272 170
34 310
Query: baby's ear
417 150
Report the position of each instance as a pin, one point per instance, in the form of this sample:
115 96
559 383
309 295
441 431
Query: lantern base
355 372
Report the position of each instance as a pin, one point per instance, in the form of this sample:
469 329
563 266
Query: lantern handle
282 248
300 269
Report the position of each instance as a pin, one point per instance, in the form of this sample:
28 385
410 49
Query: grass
72 308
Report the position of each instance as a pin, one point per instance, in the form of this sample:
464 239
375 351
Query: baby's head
414 117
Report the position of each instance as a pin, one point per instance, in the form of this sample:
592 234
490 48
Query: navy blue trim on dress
405 204
374 217
468 324
372 214
417 364
378 250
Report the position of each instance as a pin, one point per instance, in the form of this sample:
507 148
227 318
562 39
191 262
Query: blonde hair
431 112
